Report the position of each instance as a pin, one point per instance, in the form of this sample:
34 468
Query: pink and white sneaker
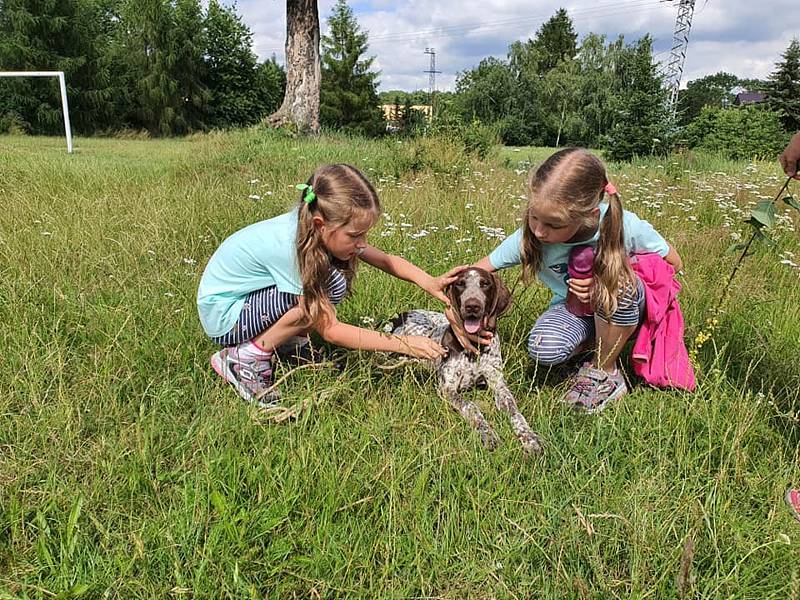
251 377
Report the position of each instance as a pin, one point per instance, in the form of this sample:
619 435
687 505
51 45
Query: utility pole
680 41
432 78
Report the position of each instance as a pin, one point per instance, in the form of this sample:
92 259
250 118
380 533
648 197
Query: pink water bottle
581 259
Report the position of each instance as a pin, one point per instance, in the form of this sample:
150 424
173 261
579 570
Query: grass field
128 470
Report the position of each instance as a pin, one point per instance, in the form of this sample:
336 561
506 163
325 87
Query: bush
514 131
13 123
738 133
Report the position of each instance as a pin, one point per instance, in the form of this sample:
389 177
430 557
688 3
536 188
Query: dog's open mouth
472 325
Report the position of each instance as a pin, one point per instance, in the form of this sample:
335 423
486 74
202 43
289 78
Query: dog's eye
459 284
484 283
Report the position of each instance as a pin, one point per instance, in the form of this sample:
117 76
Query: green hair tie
310 196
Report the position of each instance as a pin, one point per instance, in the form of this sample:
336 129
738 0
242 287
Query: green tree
232 71
555 41
271 84
597 110
486 92
711 90
348 96
159 57
560 97
642 122
783 88
55 35
738 133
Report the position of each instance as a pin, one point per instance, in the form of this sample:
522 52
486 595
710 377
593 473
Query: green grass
127 469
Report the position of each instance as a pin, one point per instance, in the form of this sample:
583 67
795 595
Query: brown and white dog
478 298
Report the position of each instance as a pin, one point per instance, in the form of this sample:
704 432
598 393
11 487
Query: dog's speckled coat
476 294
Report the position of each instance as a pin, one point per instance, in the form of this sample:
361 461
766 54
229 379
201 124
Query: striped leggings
264 307
558 333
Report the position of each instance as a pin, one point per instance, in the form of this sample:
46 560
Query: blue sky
744 37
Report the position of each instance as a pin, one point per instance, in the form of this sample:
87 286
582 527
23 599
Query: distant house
391 116
745 98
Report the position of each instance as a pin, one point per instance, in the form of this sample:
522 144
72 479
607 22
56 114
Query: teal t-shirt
260 255
640 237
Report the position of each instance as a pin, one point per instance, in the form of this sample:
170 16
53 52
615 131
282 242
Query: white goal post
62 84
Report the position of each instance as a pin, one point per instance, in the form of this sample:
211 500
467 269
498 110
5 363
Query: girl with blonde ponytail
571 204
278 279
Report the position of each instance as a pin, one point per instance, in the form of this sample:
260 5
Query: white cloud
739 36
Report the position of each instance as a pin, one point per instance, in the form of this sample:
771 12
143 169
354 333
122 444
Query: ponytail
612 271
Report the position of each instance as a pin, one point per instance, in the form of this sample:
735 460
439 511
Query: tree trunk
301 102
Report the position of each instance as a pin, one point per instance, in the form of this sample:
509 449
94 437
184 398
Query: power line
598 10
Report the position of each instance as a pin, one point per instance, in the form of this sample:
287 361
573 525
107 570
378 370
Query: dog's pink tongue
472 325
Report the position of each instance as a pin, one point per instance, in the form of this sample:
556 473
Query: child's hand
581 288
468 341
420 346
436 285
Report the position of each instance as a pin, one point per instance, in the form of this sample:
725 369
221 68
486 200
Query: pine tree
55 35
159 58
555 41
783 88
348 97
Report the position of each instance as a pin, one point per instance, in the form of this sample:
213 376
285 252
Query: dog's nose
472 306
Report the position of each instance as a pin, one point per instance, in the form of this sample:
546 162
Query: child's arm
349 336
674 258
401 268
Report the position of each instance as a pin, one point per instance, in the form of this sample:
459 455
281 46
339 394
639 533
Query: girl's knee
545 352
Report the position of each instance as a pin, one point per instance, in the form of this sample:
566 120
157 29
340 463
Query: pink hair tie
610 189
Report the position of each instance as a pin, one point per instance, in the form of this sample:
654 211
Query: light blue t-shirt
260 255
640 237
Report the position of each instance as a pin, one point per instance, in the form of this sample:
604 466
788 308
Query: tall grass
127 469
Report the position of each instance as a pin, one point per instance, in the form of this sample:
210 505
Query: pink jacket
659 354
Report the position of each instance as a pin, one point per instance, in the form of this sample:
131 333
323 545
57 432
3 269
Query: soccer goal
62 84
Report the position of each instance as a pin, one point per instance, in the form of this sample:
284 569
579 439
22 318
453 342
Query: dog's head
479 298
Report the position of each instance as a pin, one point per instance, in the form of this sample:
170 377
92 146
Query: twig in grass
400 363
283 378
685 578
279 414
352 504
583 521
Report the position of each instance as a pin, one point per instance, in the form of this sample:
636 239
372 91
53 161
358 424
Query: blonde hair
341 193
573 180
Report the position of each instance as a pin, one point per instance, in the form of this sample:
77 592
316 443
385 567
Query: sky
743 37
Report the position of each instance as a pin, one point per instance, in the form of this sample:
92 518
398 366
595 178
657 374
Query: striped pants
558 333
264 307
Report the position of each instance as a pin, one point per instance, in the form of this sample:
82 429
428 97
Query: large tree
783 89
555 41
349 98
300 105
55 35
642 120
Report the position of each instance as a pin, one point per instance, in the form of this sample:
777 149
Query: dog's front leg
472 414
504 400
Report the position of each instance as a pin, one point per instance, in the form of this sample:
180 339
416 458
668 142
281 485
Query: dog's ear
500 303
452 295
